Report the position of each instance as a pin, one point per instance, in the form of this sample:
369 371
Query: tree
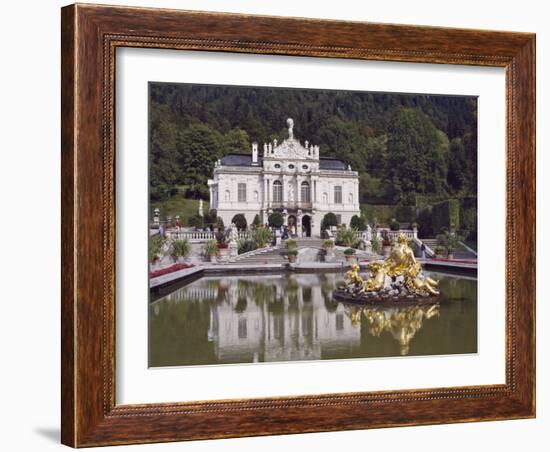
236 140
358 223
163 168
457 173
240 221
417 157
198 146
275 220
329 220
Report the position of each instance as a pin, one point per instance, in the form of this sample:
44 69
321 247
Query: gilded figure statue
400 275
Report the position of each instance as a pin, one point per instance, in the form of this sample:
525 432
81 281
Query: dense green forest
406 147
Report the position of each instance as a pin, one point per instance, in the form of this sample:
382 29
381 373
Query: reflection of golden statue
400 263
401 322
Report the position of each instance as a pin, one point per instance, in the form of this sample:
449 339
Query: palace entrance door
306 225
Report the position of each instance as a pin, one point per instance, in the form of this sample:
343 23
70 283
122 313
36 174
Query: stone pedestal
233 249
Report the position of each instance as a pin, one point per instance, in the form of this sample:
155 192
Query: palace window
337 194
306 192
291 166
242 328
277 191
277 166
241 192
305 167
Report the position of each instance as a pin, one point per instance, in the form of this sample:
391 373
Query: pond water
292 317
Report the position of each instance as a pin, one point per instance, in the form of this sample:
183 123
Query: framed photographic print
281 225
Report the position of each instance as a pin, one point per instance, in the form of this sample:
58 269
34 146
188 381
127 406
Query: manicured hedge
468 217
446 214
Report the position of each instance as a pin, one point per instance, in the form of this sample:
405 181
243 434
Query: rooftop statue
399 277
290 124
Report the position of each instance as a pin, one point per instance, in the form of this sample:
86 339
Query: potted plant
439 251
156 244
180 249
376 246
223 247
261 236
292 255
291 244
349 254
211 250
328 245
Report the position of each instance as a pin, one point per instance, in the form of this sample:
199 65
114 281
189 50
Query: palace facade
290 178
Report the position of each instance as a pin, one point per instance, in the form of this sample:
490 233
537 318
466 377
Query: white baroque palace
290 178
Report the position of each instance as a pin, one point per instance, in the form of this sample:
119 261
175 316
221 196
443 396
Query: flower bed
171 269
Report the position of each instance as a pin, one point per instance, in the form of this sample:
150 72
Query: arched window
277 191
256 195
306 192
325 198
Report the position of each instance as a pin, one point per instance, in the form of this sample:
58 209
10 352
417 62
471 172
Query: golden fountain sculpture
399 277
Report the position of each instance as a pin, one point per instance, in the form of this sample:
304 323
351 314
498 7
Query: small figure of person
285 232
178 224
161 230
423 251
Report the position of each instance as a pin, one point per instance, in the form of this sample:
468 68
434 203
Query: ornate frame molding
90 37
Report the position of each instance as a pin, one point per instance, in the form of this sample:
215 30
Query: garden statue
233 245
398 278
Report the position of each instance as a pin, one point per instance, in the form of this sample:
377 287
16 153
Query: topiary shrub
358 223
256 222
329 220
275 220
240 221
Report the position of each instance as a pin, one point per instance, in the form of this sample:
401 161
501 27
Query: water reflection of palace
292 322
285 317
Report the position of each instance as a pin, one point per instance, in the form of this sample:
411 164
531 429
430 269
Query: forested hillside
403 145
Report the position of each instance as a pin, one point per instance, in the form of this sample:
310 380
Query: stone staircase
461 253
310 243
265 256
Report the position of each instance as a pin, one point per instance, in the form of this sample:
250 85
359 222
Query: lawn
178 205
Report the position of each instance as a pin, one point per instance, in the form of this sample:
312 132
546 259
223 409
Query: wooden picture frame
90 36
